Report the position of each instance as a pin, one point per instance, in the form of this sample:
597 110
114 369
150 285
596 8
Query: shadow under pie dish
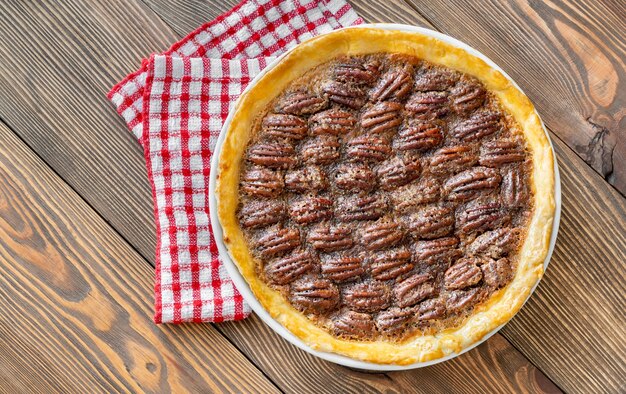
386 195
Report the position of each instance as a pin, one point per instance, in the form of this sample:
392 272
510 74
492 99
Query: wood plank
82 138
393 11
261 344
567 56
573 326
579 358
581 349
264 349
494 358
77 300
184 16
60 62
259 347
310 371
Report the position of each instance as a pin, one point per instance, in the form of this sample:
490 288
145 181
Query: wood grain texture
494 366
495 357
90 295
97 307
261 344
76 300
63 137
579 358
186 16
88 145
56 69
261 348
569 57
573 328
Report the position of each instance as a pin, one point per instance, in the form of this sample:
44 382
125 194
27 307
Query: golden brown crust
355 41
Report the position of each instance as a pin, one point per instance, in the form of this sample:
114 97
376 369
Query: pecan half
497 243
278 241
323 149
431 222
437 252
327 238
394 320
497 273
467 96
419 136
351 324
382 117
272 154
435 78
394 85
360 207
501 152
368 148
459 300
390 264
432 309
314 295
311 209
355 176
342 268
398 172
255 214
381 234
428 105
481 215
284 126
357 70
301 103
310 178
332 121
409 197
352 96
367 296
514 189
452 159
290 267
480 124
464 273
414 289
261 182
470 183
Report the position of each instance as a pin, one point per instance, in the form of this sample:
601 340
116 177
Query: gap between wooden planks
345 379
568 56
86 191
78 303
74 101
76 300
572 327
583 91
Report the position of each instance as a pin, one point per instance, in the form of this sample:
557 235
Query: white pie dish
245 290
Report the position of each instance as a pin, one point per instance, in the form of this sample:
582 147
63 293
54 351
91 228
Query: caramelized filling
385 196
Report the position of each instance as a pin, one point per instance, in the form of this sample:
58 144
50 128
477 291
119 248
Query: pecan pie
390 200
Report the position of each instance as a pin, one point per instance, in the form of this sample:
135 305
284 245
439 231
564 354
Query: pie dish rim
292 325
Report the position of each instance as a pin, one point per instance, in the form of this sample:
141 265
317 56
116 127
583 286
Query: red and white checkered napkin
175 105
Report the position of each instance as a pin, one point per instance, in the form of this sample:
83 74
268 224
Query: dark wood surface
567 56
77 233
76 300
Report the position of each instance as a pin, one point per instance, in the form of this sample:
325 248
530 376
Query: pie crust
487 316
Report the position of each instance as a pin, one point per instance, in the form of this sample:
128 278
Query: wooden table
77 236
